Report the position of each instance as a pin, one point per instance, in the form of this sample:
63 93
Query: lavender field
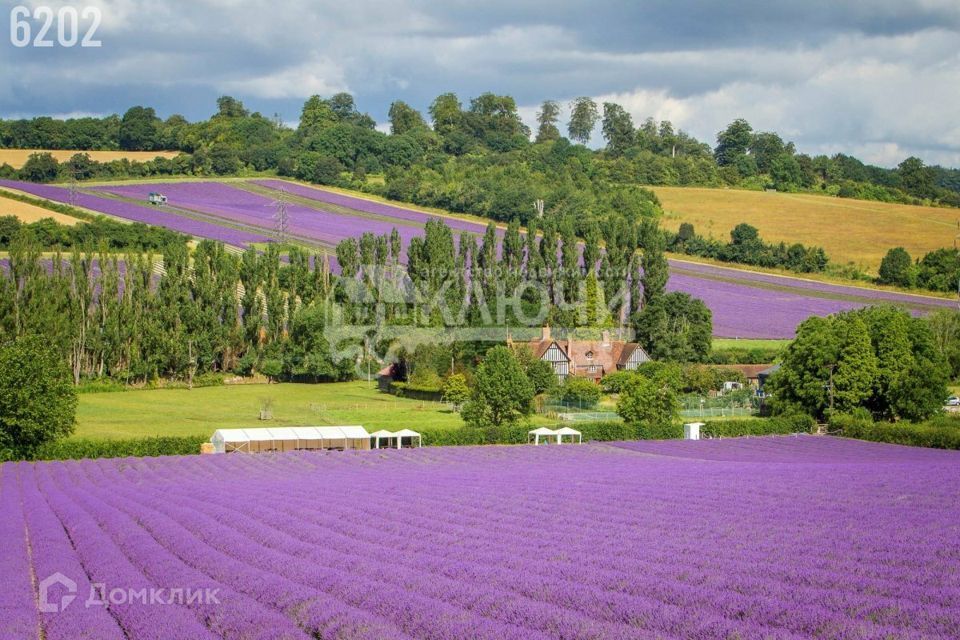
780 537
744 304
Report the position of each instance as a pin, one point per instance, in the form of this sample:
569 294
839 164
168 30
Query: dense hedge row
603 431
600 431
75 448
407 390
780 425
939 433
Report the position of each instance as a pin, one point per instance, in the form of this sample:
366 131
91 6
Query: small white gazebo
408 433
543 432
567 431
382 434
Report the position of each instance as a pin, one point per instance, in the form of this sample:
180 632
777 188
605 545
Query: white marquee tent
261 440
567 431
395 436
553 435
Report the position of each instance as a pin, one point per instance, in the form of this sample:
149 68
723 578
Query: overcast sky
879 79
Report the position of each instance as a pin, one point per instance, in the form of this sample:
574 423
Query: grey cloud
828 74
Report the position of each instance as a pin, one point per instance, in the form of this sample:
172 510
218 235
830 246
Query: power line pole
281 217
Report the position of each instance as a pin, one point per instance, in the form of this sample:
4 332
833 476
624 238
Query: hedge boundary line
599 431
934 434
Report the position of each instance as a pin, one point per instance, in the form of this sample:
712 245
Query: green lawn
174 412
720 344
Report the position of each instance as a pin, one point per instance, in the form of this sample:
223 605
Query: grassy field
31 213
173 412
722 344
18 157
856 231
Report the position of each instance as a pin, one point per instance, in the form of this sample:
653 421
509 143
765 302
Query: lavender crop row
137 213
784 537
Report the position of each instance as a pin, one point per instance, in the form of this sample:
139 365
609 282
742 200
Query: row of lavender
452 543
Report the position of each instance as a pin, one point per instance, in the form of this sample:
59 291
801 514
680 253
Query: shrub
77 448
38 402
614 382
937 433
781 425
580 391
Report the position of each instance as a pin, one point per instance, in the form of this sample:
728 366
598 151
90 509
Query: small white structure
408 433
691 430
542 432
397 436
156 198
567 431
382 434
271 439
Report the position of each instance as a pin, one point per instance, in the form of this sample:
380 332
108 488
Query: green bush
780 425
937 433
77 448
599 431
580 391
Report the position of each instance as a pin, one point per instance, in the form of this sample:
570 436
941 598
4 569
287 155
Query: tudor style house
586 358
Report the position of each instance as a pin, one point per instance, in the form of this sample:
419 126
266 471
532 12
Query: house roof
748 370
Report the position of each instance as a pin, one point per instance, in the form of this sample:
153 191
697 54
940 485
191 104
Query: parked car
953 401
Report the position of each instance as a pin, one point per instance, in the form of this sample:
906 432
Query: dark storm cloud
876 78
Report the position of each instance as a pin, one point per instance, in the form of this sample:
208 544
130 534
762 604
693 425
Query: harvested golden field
31 213
18 157
857 231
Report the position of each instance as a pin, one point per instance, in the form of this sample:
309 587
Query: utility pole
281 218
831 367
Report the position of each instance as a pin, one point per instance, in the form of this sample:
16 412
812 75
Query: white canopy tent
259 440
398 436
542 432
567 431
408 433
382 434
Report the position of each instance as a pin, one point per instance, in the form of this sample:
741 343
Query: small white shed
691 430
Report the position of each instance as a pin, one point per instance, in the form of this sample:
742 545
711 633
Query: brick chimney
546 332
606 338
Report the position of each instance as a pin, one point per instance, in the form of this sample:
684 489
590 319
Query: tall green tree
404 118
617 128
547 119
584 115
501 394
733 142
37 400
897 268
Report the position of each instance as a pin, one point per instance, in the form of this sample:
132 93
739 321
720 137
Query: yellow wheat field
856 231
16 158
31 213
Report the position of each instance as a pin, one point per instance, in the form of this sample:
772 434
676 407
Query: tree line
480 143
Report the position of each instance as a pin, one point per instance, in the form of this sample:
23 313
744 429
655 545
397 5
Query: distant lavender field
784 538
237 205
752 305
137 213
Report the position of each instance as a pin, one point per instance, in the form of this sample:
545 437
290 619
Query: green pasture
178 412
